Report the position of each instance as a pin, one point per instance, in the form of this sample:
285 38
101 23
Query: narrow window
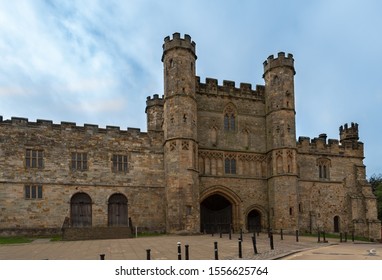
27 192
230 166
226 122
232 125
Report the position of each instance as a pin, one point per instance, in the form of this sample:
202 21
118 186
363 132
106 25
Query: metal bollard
148 256
240 250
254 243
323 233
296 235
216 250
187 256
230 234
179 251
318 237
102 257
271 241
281 234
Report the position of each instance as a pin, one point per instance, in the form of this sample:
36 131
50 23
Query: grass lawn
15 240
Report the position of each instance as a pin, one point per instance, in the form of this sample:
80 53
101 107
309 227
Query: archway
81 210
254 221
336 222
117 210
215 214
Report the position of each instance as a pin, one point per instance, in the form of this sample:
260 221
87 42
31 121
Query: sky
95 61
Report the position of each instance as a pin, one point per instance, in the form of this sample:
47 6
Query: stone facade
214 157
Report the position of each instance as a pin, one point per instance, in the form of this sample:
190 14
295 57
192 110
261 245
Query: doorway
216 214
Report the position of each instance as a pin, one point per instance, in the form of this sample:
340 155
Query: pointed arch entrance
117 210
81 210
254 221
219 210
336 222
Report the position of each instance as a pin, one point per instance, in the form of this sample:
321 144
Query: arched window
230 118
230 165
323 168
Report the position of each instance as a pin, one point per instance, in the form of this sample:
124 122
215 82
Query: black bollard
352 236
102 257
296 235
318 237
230 234
271 241
340 236
254 243
324 236
346 236
240 250
281 234
187 256
216 250
179 251
148 256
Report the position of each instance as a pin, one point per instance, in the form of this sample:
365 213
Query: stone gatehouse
214 157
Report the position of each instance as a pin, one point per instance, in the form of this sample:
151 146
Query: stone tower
180 135
281 142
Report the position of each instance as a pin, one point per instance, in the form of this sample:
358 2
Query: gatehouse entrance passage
215 214
254 221
117 210
81 210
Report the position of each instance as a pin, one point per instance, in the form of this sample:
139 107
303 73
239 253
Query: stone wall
142 183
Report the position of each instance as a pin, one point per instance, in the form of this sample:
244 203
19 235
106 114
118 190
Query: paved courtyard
201 247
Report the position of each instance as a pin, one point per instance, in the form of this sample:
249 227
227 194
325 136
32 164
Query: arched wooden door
81 210
254 221
117 210
216 214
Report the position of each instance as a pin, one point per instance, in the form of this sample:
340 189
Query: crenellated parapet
349 133
154 101
331 147
177 42
228 88
24 123
280 61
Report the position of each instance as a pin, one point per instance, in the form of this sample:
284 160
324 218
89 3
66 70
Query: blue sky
97 61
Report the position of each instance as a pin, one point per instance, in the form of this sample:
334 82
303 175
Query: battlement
68 126
280 61
320 145
245 90
349 133
178 42
154 101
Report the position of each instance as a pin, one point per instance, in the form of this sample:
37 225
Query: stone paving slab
201 247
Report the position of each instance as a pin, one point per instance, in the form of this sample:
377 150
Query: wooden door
81 210
117 210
